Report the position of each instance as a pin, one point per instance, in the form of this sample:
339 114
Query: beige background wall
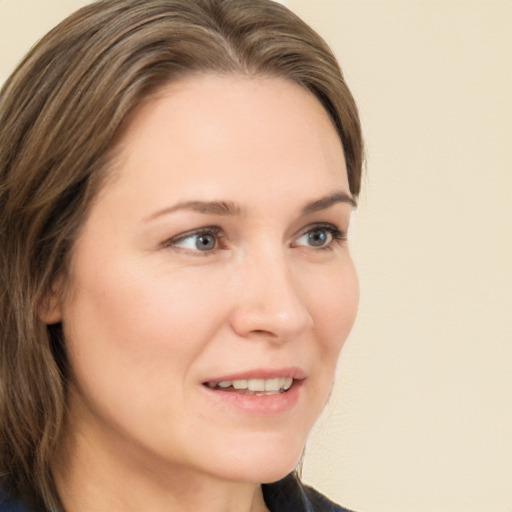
421 419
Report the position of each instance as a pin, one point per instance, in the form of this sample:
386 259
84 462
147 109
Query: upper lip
262 373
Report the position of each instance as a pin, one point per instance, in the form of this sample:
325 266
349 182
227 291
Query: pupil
205 242
318 238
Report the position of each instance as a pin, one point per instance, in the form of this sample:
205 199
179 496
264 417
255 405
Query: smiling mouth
255 387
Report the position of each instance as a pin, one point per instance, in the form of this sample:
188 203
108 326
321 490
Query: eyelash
338 237
214 231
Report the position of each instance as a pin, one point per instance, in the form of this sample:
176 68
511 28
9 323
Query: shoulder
291 495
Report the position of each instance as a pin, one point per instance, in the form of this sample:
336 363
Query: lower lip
259 405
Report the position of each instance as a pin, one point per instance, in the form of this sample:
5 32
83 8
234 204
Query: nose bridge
270 301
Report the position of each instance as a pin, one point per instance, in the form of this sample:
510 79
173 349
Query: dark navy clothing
287 495
290 495
10 505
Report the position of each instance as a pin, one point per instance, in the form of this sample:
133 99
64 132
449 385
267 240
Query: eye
205 240
319 237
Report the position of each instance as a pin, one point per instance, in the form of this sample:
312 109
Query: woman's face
214 257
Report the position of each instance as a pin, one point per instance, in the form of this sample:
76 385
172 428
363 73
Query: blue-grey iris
205 242
317 238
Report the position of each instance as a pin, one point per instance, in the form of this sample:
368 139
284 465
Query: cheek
133 341
334 307
144 321
337 297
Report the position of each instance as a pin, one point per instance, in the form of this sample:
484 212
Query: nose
269 303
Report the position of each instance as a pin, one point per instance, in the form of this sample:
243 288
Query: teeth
287 384
256 385
274 385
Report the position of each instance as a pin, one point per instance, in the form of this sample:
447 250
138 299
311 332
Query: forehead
213 130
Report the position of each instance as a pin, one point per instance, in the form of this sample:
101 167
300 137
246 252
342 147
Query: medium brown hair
60 112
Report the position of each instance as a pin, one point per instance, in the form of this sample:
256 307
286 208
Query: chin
263 462
273 471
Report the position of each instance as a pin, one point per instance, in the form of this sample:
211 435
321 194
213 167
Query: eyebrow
232 209
225 208
325 202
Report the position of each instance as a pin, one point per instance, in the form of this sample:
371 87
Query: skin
148 317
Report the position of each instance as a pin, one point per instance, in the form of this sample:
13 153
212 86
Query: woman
177 179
